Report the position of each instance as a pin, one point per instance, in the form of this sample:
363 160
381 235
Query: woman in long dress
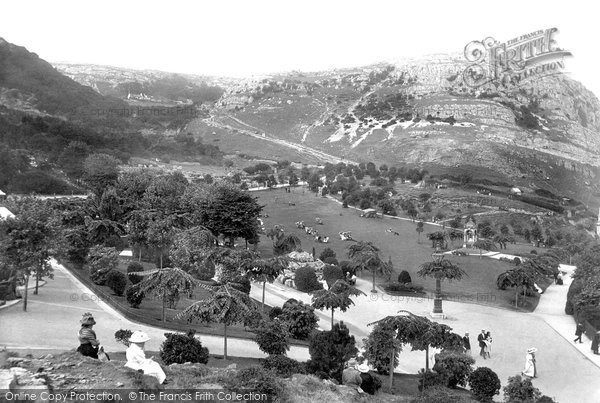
488 344
530 367
136 357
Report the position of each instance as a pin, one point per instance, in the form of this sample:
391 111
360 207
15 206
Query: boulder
8 379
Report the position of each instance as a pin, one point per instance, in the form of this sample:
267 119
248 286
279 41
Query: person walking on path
136 357
530 367
488 344
88 343
467 343
578 332
482 345
595 342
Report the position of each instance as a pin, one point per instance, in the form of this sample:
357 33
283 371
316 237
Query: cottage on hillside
2 195
5 213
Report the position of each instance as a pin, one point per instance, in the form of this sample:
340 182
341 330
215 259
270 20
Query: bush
283 366
134 267
300 318
306 280
181 348
122 336
456 367
117 282
275 312
258 380
272 337
329 351
100 276
430 378
332 261
401 288
404 277
134 296
520 390
347 267
378 346
545 399
331 274
517 261
484 384
327 252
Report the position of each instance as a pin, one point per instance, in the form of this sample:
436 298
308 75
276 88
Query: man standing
578 332
467 343
481 340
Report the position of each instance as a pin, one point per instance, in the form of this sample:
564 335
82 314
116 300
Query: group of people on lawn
89 346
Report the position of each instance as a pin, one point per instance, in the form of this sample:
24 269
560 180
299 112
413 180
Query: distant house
2 195
515 191
5 213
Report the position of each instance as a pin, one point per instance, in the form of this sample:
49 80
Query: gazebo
469 234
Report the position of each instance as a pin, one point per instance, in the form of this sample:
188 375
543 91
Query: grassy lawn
404 249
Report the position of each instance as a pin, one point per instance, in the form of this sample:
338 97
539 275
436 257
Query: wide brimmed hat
531 350
139 337
364 368
87 319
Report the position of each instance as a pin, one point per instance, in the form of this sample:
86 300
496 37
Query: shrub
330 350
253 319
431 378
275 312
117 282
517 261
347 267
331 274
134 267
345 204
283 366
332 261
306 280
271 337
241 283
300 318
484 384
258 380
123 335
100 276
545 399
456 367
327 252
520 390
134 296
101 258
404 277
181 348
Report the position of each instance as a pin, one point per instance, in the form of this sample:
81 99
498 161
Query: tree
293 179
454 365
520 390
225 305
272 337
366 256
189 250
336 297
26 242
407 328
224 209
419 230
484 384
165 283
522 278
271 181
314 182
441 270
101 172
264 270
330 350
160 236
300 318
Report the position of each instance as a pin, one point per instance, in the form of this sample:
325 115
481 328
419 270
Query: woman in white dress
488 344
136 357
530 367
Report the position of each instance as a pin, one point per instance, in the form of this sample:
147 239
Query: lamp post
437 257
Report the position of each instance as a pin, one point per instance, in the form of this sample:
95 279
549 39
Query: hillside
540 133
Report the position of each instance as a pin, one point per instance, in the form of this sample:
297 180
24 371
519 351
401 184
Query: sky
242 38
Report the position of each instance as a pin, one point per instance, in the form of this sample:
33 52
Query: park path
52 322
564 373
